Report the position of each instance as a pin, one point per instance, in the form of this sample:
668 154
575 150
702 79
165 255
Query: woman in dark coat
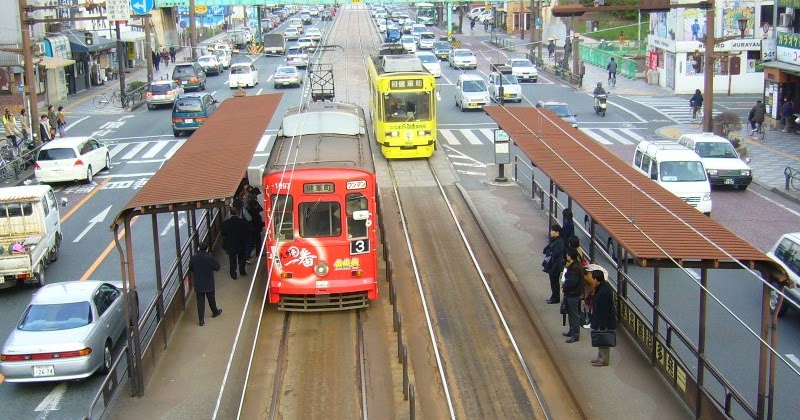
603 314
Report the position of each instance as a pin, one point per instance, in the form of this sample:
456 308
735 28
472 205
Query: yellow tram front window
283 221
407 106
320 219
356 228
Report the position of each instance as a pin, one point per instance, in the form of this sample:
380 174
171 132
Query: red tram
320 210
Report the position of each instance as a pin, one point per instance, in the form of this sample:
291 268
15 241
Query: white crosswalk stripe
676 109
157 150
485 136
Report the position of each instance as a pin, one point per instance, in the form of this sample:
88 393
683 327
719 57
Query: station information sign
118 10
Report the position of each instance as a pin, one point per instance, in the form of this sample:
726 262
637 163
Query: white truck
30 233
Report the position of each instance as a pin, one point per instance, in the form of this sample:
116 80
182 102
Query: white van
677 169
30 233
475 12
722 163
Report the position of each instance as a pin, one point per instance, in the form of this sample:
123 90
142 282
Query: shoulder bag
604 338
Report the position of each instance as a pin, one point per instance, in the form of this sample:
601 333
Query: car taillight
194 80
78 162
149 94
200 120
177 120
45 356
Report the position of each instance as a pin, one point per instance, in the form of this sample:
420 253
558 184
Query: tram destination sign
318 188
405 84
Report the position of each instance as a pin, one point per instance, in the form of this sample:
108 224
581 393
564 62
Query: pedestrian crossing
160 149
485 136
675 109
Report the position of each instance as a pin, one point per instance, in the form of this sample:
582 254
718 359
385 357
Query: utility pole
192 30
708 69
30 76
120 59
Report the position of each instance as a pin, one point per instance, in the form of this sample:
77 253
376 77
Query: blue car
393 35
190 111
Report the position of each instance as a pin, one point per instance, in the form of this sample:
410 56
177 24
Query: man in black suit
203 265
236 238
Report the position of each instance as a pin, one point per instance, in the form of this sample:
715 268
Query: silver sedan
67 332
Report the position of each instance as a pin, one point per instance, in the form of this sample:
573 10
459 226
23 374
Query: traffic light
88 38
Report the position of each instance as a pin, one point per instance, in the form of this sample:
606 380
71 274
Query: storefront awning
78 42
57 46
51 63
784 67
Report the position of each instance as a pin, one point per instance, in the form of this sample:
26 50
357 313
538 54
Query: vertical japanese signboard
118 10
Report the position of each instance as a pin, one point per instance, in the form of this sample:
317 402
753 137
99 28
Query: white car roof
61 143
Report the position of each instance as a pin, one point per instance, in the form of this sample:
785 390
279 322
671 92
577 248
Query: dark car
190 111
190 76
441 49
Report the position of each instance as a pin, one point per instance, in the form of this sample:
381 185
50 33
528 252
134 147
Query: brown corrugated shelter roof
211 164
646 219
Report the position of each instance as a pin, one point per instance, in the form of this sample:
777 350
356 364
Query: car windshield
715 150
56 154
428 58
560 110
441 45
184 71
407 40
521 63
682 171
240 69
159 89
188 105
62 316
207 59
296 51
474 86
510 79
427 36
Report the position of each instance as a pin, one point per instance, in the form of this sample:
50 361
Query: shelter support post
763 350
656 299
133 302
701 339
773 360
159 275
130 323
175 221
193 227
592 232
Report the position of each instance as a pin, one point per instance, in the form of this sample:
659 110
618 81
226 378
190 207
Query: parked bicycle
117 99
10 165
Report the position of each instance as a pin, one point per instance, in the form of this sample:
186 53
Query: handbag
547 263
604 338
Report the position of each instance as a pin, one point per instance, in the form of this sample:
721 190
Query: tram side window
407 106
283 216
320 219
356 228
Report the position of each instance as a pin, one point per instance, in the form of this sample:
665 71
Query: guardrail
134 98
160 316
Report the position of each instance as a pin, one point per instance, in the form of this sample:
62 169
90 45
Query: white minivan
677 169
722 163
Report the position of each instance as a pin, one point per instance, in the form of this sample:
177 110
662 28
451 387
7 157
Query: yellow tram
402 106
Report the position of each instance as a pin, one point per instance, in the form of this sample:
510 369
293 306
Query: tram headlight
321 269
392 134
423 133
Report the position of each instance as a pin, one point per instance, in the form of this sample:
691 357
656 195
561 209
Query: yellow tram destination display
403 106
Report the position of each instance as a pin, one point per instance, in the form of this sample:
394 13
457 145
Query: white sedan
242 75
462 58
430 62
314 33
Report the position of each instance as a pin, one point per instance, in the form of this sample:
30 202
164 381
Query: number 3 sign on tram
141 7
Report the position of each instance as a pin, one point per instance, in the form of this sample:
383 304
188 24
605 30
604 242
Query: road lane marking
112 152
793 358
84 200
51 402
775 203
174 149
471 137
155 149
596 136
610 132
135 150
449 137
103 255
74 123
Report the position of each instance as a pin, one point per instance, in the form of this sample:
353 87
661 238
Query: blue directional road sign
141 7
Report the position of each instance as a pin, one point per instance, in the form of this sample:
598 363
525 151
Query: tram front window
356 228
283 221
407 106
320 219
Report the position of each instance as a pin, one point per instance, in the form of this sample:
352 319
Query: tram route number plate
360 246
43 370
